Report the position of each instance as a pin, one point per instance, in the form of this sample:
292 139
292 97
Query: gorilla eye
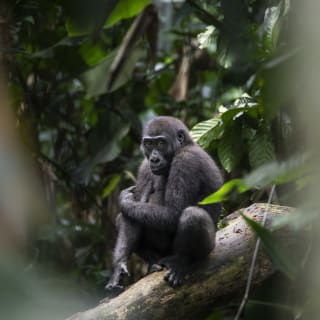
180 136
147 144
161 144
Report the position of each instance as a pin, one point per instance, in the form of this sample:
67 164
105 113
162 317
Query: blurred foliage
84 75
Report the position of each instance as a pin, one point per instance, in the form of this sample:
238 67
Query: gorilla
161 220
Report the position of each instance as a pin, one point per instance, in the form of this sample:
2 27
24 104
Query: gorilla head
162 138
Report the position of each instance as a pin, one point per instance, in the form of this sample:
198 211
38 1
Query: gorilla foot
178 269
114 283
175 277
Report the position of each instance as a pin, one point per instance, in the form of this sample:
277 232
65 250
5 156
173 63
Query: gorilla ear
180 136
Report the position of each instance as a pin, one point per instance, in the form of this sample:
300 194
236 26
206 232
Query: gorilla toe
175 277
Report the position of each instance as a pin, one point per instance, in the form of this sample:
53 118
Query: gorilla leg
194 241
128 237
195 235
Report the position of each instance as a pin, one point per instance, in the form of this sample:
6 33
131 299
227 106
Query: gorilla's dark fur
160 218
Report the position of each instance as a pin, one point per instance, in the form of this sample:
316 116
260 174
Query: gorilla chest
155 194
156 197
154 239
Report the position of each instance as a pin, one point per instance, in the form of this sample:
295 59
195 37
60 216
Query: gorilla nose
154 160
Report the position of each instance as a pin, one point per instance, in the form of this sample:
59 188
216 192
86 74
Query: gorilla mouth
158 170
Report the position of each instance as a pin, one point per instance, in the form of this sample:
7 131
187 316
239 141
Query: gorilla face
157 150
162 138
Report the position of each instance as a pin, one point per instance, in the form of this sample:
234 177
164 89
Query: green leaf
204 132
266 175
74 29
232 114
245 105
273 247
111 185
97 78
230 94
91 53
126 9
271 27
245 101
261 149
224 192
230 150
48 53
84 17
278 172
103 144
297 167
226 156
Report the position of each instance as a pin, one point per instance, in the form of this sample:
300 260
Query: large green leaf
244 101
111 185
261 149
271 27
244 105
48 53
226 156
103 144
91 16
126 9
230 150
84 17
271 173
204 132
224 192
278 172
92 53
137 29
274 248
97 78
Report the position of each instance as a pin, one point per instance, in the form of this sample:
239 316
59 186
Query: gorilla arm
182 188
148 214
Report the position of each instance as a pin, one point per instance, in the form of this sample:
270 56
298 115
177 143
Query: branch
224 275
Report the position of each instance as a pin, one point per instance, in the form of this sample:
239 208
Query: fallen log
222 275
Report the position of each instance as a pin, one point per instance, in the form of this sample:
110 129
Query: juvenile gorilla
160 218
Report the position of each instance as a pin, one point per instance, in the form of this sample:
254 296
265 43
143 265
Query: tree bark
222 276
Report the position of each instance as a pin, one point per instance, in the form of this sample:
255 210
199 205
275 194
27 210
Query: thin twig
254 258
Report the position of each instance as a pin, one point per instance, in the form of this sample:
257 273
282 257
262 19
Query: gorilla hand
120 270
127 195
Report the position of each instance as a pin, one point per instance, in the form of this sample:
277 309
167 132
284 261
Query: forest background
83 76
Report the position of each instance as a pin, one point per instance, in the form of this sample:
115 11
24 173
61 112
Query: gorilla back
160 217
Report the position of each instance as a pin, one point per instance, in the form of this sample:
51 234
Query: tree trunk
224 275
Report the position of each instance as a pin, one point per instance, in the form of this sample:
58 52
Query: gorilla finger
180 279
166 276
131 189
172 278
124 270
175 283
177 280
